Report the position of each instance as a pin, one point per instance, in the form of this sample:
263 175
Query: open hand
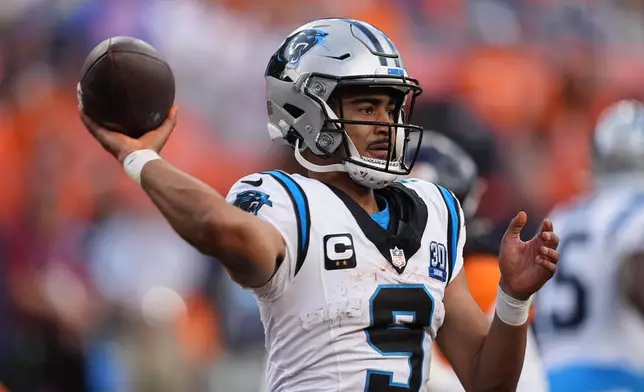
527 265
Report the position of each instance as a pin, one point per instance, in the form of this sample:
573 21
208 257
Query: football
126 86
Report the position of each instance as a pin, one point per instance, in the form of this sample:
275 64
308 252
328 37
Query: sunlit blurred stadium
97 293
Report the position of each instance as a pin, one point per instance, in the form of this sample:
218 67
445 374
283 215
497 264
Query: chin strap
358 174
336 167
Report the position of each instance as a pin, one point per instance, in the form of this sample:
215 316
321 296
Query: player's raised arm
490 358
249 248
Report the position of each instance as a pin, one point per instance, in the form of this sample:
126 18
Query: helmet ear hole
296 112
293 110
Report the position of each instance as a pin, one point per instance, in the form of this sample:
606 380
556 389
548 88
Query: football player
355 273
443 162
588 318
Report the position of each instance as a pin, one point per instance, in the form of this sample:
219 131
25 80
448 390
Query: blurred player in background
442 161
356 274
588 317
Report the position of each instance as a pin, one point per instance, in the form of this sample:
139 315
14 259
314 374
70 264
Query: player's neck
360 194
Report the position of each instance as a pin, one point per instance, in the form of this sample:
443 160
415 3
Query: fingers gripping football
120 145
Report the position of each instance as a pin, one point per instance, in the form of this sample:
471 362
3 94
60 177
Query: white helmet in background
618 142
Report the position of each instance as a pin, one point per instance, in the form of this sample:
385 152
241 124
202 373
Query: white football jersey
353 307
589 338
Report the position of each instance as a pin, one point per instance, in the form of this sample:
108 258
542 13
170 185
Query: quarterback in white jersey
589 316
356 272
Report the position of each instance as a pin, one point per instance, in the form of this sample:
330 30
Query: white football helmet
618 143
315 61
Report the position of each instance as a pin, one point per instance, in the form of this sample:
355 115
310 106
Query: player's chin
382 156
378 154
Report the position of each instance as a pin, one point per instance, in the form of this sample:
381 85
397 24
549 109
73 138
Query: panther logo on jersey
252 201
300 44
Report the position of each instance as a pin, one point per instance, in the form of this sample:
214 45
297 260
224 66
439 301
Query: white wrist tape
511 310
134 162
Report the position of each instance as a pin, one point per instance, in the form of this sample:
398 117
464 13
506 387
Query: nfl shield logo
397 257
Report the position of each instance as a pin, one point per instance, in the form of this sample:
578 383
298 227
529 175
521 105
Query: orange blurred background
98 293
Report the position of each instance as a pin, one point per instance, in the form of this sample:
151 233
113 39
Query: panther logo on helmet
300 44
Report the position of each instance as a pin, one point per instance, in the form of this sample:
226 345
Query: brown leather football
126 86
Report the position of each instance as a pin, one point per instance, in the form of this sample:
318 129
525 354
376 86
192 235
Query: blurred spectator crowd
96 291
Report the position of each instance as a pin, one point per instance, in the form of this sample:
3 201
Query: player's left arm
490 357
484 357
